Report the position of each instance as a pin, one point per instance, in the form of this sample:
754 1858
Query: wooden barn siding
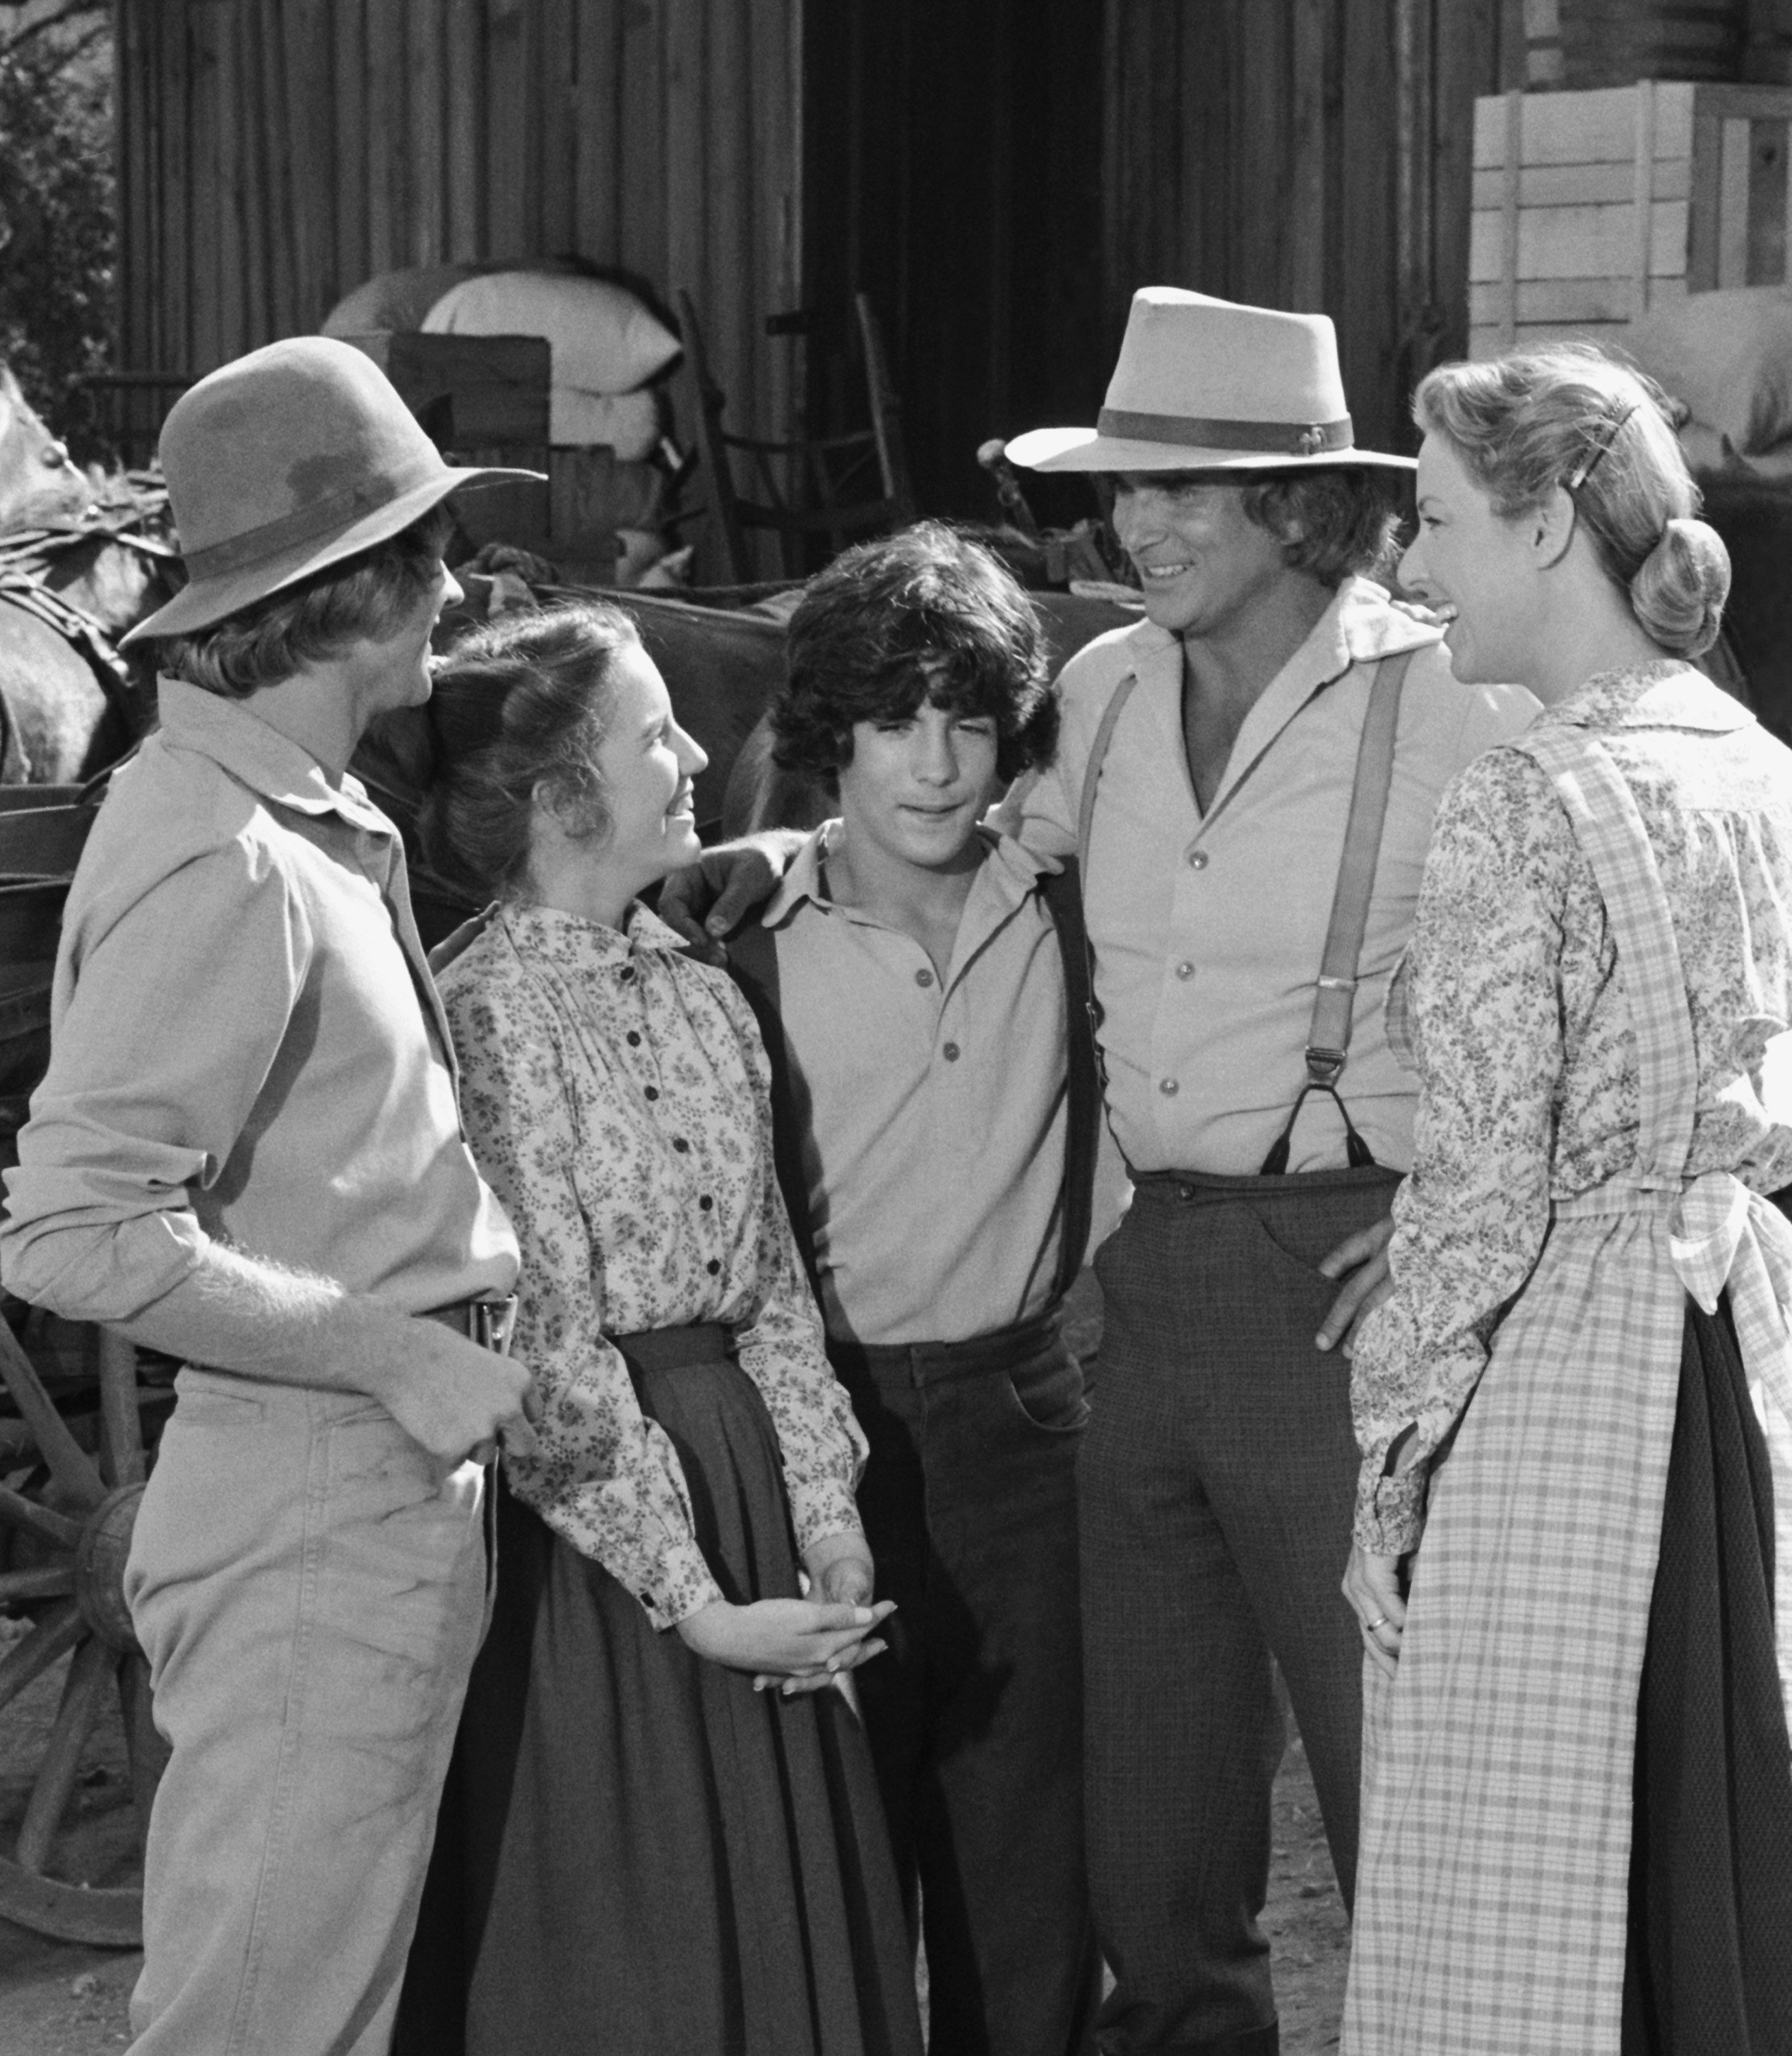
1306 154
274 153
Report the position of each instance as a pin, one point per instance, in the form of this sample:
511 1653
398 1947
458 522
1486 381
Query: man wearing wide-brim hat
246 1152
1250 775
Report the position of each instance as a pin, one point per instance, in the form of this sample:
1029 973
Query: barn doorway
952 169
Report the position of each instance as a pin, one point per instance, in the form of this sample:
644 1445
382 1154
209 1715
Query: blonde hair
1568 415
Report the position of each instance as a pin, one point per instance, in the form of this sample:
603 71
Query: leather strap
1062 893
1328 1037
1198 432
1328 1033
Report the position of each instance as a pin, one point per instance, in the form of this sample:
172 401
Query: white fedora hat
1206 385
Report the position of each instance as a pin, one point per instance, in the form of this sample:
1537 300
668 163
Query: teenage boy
937 1152
247 1153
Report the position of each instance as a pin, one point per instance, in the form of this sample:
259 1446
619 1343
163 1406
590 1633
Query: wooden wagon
78 1417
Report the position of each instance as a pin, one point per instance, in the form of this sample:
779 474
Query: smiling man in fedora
1250 774
246 1152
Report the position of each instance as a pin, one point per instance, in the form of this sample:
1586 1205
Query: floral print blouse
1511 1006
618 1099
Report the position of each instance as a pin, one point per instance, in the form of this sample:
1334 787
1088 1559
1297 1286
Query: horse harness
1328 1034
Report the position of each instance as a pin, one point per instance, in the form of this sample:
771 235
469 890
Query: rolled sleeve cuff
102 1270
1390 1512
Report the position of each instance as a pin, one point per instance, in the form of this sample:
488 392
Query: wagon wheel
78 1514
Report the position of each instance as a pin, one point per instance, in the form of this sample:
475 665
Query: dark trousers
975 1714
1216 1482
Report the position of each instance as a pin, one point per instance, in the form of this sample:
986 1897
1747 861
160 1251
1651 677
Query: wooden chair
837 487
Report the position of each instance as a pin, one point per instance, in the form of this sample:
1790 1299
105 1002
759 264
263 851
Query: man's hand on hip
1361 1260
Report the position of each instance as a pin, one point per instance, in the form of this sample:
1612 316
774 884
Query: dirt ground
57 2000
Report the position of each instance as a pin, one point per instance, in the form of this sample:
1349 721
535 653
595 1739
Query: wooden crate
1591 206
470 392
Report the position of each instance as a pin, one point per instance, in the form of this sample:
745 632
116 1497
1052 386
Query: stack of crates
1591 207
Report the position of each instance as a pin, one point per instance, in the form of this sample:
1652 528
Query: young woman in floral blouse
664 1832
1574 1407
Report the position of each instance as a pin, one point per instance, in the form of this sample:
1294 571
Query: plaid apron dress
1491 1893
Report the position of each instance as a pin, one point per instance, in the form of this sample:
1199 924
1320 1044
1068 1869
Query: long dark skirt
1709 1967
639 1855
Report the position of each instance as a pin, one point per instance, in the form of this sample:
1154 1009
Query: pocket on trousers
211 1409
1050 1395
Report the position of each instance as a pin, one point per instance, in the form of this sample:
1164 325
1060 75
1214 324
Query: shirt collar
1666 694
1363 622
1015 866
236 739
574 944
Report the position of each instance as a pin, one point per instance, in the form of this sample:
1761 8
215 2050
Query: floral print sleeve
782 1349
1481 1005
617 1098
604 1476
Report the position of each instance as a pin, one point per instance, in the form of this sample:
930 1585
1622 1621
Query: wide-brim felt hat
285 462
1208 385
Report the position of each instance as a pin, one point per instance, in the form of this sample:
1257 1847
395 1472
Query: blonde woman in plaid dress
1574 1407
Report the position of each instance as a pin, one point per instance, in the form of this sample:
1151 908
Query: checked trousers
1216 1483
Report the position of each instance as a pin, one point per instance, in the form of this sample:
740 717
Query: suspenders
753 960
1328 1035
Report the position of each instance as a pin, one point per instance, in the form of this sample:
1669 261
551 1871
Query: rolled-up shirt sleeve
168 1015
1482 997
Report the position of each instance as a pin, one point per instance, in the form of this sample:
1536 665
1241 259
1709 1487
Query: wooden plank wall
1306 154
273 154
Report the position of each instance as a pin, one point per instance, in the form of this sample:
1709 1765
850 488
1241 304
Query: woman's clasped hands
799 1645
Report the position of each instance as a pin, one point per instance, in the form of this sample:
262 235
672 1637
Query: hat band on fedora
1293 438
306 524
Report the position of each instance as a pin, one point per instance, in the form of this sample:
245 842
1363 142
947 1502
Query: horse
38 484
69 704
79 563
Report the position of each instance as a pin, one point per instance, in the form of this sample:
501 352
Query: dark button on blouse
680 1145
634 1038
652 1091
706 1202
951 1053
713 1265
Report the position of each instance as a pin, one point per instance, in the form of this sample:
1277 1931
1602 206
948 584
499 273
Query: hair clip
1589 463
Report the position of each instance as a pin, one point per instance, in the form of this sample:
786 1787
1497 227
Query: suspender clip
1324 1066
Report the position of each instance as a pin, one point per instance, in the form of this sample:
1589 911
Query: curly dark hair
925 615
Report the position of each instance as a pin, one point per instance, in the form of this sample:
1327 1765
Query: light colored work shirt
934 1117
246 1045
1208 931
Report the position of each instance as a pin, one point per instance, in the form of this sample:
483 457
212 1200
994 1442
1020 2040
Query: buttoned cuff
819 1508
1390 1512
682 1584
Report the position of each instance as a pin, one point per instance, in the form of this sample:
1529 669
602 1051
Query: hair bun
1678 590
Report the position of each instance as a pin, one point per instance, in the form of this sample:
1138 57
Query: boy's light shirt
935 1110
